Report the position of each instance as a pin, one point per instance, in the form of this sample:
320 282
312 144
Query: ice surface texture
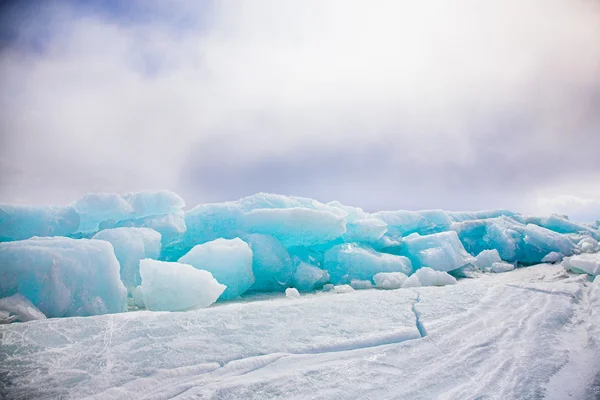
63 277
264 243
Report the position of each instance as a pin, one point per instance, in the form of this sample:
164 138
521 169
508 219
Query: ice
346 262
360 226
461 216
137 295
553 257
441 251
588 245
170 226
23 222
18 308
132 245
277 201
389 280
170 286
357 284
292 293
271 263
329 287
343 288
228 260
486 258
562 224
296 226
63 277
402 223
96 208
207 222
308 277
588 263
499 267
426 276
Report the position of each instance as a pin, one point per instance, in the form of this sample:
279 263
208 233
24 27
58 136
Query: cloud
458 105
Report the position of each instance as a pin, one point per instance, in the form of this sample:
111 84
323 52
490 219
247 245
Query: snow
586 263
441 251
343 288
588 245
19 308
63 277
389 280
170 286
345 262
292 293
228 260
132 245
507 336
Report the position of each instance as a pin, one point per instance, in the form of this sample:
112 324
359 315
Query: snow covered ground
531 333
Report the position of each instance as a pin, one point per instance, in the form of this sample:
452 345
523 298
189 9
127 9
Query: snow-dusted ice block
588 245
95 208
308 277
346 262
499 267
23 222
292 293
19 308
358 284
389 280
429 277
63 277
486 258
271 263
132 245
169 286
440 251
296 226
343 289
402 223
588 263
553 257
229 261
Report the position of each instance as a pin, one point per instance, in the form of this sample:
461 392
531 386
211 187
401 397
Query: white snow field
531 333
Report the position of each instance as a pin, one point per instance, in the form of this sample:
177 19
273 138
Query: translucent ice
132 245
588 263
346 262
486 258
271 263
63 277
424 222
426 276
169 286
292 293
360 226
20 308
553 257
229 261
389 280
588 245
441 251
308 277
23 222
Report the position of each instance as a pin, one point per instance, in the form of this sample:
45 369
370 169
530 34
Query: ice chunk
271 263
21 308
360 226
95 208
588 263
170 226
343 289
352 261
588 245
63 277
23 222
296 226
499 267
358 284
132 245
426 276
308 277
328 287
440 251
292 293
207 222
486 258
553 257
169 286
461 216
402 223
277 201
562 224
389 280
230 262
138 297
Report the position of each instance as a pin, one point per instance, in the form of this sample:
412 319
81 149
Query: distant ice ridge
260 243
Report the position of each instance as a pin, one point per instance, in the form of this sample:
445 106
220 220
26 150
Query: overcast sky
460 105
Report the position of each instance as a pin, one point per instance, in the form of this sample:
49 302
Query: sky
459 105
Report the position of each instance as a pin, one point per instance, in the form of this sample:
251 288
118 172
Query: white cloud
126 106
